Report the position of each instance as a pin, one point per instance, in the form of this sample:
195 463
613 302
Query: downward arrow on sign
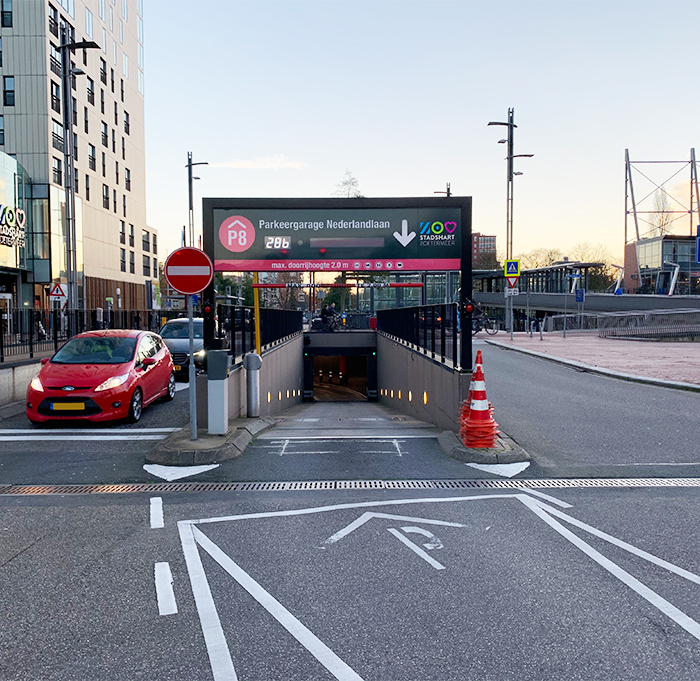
405 237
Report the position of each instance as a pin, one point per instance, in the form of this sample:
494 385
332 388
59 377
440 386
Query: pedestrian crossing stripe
512 268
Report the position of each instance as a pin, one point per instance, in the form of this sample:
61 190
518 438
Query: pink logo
237 234
453 225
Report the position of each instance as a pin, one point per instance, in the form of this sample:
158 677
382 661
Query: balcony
53 26
56 103
57 142
55 65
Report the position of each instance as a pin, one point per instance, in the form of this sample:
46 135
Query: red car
102 375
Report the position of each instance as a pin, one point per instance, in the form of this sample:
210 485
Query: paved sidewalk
651 361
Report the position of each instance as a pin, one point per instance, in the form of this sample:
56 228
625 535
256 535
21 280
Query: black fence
30 331
237 324
434 329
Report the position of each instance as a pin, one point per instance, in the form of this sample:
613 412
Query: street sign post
189 271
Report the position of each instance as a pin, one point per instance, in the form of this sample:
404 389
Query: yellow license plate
177 367
68 406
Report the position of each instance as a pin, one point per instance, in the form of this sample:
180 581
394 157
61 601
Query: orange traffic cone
466 404
478 429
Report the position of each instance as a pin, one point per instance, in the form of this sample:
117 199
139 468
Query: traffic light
207 309
469 307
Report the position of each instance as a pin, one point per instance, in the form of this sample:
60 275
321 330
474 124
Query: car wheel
170 395
135 406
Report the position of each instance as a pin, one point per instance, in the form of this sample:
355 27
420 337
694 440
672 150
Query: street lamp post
189 187
509 195
67 74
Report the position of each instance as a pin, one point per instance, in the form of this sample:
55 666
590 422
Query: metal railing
655 324
26 332
434 329
237 325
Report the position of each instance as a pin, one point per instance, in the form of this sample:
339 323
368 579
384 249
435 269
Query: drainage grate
151 488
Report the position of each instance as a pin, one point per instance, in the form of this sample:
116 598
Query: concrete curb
660 382
506 451
12 409
178 450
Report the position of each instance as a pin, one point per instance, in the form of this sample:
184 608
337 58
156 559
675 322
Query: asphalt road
391 586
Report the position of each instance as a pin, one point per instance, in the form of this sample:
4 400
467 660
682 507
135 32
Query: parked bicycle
482 322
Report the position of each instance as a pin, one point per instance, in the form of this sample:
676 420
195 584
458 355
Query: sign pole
193 378
256 304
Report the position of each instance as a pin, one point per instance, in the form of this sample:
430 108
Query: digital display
277 242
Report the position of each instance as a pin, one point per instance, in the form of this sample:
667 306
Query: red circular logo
237 234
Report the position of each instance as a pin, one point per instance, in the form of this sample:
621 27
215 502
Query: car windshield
96 350
181 330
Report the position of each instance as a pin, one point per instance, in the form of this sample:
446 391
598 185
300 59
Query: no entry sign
189 270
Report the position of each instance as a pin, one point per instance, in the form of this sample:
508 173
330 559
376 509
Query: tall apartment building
116 252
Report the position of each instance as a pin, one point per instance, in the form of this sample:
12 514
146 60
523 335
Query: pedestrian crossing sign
512 268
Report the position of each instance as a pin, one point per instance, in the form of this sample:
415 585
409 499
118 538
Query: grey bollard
252 363
218 367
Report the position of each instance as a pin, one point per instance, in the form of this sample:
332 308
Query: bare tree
662 217
349 187
540 257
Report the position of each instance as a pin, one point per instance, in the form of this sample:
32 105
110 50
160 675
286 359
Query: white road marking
85 431
310 438
549 498
506 470
167 605
181 386
110 437
339 669
416 549
398 449
369 515
668 609
157 512
217 648
434 543
284 447
171 473
686 574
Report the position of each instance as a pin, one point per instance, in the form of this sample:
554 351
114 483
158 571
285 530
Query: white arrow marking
506 470
171 473
405 237
416 549
434 543
369 515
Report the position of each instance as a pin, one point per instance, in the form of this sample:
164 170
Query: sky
281 98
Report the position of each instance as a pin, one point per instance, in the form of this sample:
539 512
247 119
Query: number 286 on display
277 242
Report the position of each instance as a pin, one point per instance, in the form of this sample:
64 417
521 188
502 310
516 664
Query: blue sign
580 295
573 276
195 299
512 268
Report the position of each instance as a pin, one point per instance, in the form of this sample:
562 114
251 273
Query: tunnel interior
339 378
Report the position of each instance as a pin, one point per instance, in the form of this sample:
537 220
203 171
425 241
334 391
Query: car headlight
113 382
200 354
36 384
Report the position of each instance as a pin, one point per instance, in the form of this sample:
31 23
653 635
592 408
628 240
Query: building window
111 19
114 197
114 52
155 244
87 187
121 32
146 266
132 262
127 123
155 268
122 253
75 111
1 53
7 13
116 114
56 97
124 10
122 87
125 66
57 136
75 147
88 23
145 240
142 83
102 101
103 71
53 20
114 142
104 164
116 171
111 76
105 137
101 9
122 232
85 119
104 41
131 236
91 90
2 130
75 181
123 149
55 60
8 94
105 196
57 171
124 205
127 179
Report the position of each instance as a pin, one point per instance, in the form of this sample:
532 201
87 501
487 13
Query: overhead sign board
512 268
378 235
188 270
